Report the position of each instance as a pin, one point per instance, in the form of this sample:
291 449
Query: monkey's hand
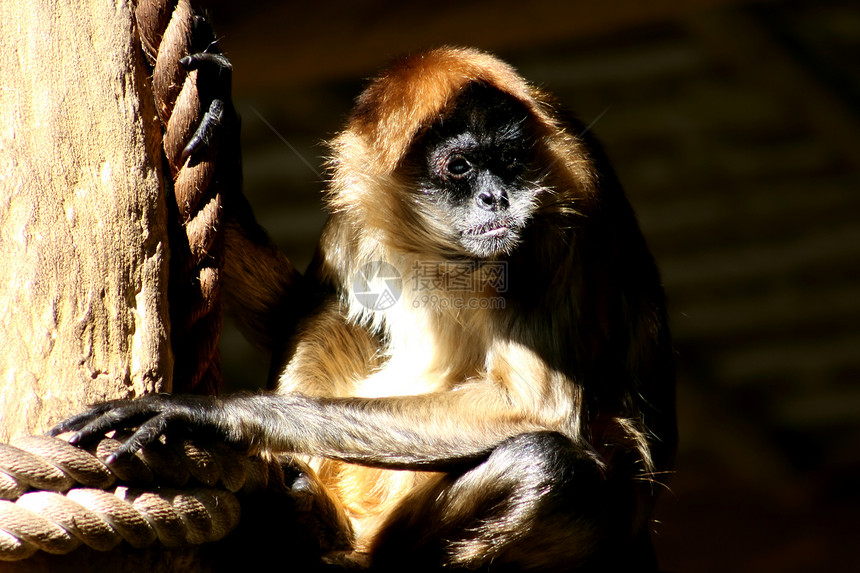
150 416
214 81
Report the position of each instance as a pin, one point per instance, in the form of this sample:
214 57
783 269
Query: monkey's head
474 170
451 153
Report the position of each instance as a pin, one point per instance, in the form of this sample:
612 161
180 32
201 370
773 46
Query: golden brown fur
503 382
521 429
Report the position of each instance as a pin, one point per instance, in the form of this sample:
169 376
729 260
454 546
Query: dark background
736 130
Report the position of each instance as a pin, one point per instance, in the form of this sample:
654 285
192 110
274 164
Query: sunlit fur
580 348
521 433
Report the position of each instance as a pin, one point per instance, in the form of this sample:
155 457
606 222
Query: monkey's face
474 167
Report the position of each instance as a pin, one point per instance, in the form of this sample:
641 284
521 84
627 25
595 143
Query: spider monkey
509 404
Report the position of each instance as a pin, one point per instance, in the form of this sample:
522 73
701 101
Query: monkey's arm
429 432
263 291
517 394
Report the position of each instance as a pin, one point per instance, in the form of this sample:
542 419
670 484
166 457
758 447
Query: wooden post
83 241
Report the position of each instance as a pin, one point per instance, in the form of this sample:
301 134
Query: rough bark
83 243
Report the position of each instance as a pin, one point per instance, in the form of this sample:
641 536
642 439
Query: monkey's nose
492 200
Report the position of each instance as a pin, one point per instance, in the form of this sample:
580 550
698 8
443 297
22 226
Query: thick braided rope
78 501
169 30
56 497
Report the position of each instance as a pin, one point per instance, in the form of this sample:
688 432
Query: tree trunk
83 241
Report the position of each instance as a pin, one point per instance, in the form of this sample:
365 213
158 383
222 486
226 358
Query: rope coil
55 497
170 31
80 503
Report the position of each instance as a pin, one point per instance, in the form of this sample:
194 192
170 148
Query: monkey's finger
71 424
124 416
146 434
75 423
209 61
206 133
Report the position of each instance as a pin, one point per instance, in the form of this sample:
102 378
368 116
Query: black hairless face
477 166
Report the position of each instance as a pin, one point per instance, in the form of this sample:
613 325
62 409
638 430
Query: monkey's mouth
491 230
495 232
491 239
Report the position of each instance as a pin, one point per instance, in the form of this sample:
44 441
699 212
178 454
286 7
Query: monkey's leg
294 517
537 503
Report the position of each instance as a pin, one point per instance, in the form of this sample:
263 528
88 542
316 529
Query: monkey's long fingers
128 415
209 62
206 132
77 422
72 424
215 81
146 434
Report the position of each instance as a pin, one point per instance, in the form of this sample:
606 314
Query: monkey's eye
458 166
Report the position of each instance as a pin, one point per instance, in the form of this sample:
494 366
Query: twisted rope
56 497
80 503
169 31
